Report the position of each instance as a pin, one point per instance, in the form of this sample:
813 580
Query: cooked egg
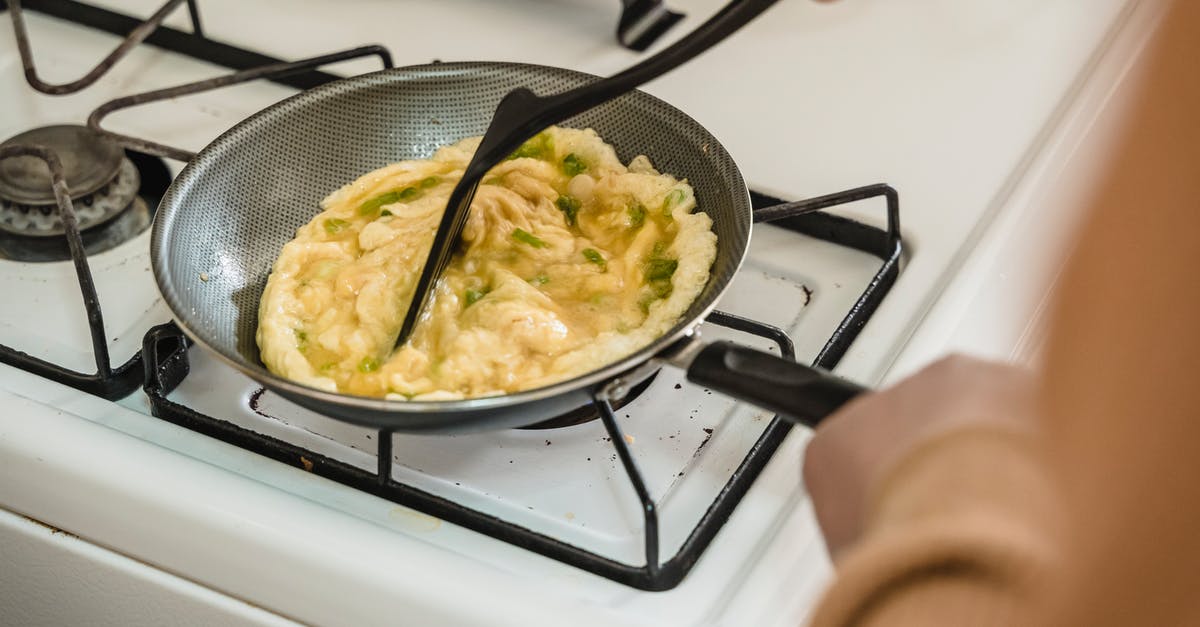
569 261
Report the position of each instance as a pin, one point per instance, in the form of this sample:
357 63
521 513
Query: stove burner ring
90 162
128 223
94 209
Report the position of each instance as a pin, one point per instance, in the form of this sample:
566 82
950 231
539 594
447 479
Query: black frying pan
229 213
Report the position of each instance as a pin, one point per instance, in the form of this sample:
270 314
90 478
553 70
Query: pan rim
160 260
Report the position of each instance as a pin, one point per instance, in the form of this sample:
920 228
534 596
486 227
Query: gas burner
134 192
91 210
103 183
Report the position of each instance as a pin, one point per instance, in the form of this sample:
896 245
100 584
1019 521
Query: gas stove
189 482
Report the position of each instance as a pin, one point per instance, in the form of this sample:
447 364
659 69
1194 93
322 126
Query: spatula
522 114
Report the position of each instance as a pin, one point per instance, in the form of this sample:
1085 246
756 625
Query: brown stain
412 520
53 530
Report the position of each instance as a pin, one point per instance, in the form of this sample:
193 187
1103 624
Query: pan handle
798 393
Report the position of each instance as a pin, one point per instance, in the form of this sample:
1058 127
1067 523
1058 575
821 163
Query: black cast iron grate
166 362
108 381
117 381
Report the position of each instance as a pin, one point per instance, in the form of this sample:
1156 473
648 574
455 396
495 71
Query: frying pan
230 211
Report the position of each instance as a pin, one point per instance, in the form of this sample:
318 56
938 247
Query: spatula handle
523 114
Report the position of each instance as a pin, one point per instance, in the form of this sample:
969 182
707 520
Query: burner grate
137 33
165 354
194 44
642 23
109 381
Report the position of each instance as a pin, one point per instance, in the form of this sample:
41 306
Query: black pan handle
798 393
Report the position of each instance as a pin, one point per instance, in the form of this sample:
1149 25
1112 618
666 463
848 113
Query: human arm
1117 448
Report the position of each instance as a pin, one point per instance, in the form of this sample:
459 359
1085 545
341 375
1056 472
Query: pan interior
226 217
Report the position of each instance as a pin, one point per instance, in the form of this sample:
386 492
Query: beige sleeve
959 533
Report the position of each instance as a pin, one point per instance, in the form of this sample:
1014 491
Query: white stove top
954 105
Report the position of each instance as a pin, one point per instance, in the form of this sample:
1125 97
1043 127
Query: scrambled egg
569 261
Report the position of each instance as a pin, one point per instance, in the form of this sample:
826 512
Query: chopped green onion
333 226
430 181
674 197
637 215
645 301
368 364
537 147
301 339
375 203
594 256
473 296
525 237
658 273
385 212
569 205
572 165
327 367
660 269
394 196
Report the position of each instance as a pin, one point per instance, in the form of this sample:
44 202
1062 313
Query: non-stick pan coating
231 210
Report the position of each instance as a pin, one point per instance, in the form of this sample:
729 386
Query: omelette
570 260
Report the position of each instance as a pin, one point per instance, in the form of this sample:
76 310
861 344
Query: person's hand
852 447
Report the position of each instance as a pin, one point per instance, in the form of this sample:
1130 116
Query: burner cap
90 210
89 162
